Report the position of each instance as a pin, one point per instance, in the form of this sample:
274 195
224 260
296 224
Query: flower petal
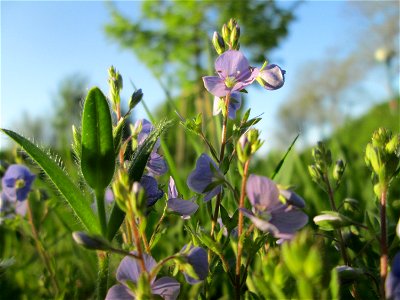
150 185
185 208
172 190
292 198
129 268
262 192
119 292
199 260
202 176
211 194
21 207
231 63
156 164
288 219
272 77
11 176
168 288
216 86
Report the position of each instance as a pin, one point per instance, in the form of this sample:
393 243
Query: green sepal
98 157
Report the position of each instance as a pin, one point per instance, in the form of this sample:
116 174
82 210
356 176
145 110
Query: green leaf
98 158
280 164
61 180
135 171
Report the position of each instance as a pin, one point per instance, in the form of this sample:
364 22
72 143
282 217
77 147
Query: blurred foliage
334 83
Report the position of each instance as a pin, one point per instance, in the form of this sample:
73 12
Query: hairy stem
240 228
102 276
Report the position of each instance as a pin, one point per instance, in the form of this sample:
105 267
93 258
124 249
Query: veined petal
231 63
129 268
288 219
185 208
150 185
202 176
119 292
216 86
262 192
172 190
156 164
272 77
168 288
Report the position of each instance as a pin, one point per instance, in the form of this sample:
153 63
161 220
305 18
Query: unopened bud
315 173
138 199
226 34
234 37
338 170
218 43
135 98
91 242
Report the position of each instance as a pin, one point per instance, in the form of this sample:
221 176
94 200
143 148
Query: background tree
173 39
335 83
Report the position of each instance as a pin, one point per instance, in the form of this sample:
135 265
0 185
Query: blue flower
153 193
156 164
185 208
392 284
17 182
272 77
198 259
205 174
129 271
269 213
234 74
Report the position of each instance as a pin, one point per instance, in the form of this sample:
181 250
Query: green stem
240 229
221 159
101 210
102 276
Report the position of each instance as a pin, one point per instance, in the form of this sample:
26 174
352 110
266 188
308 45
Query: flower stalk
383 242
240 228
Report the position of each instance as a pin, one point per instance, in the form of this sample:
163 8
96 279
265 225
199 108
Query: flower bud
90 242
138 199
218 43
315 173
226 34
272 77
135 98
248 144
338 170
234 37
120 189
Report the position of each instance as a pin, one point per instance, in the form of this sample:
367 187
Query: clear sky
43 42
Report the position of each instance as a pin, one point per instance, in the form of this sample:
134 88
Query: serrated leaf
135 172
98 157
61 180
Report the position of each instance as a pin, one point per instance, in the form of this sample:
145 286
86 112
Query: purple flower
9 207
198 259
150 185
129 271
269 213
234 105
392 284
156 164
234 74
185 208
17 182
292 198
272 77
205 174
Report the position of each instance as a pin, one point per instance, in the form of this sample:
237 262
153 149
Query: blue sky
43 42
